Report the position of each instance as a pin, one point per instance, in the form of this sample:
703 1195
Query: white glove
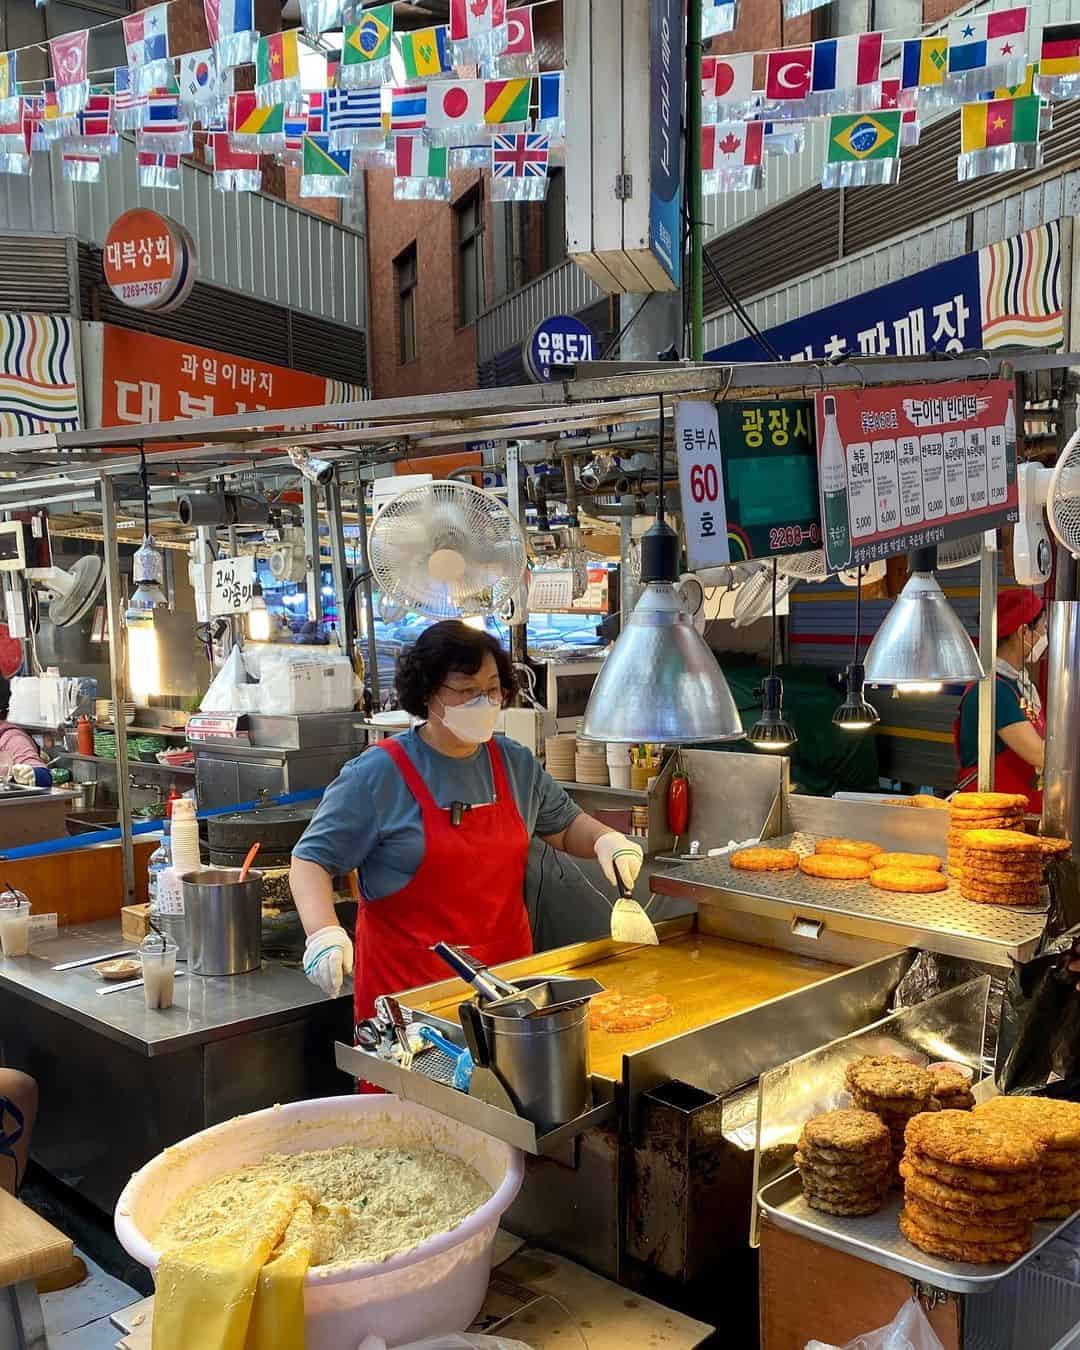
22 775
611 848
328 958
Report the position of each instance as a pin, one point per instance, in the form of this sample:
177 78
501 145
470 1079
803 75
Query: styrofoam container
434 1288
617 754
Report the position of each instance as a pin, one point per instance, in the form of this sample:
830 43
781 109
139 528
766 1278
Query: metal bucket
544 1062
224 920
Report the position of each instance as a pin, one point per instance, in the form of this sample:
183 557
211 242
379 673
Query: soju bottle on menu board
1010 444
834 492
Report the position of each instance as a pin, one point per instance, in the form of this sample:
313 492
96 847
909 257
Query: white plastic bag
453 1340
294 680
909 1330
223 696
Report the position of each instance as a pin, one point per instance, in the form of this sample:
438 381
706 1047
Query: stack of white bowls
560 754
591 763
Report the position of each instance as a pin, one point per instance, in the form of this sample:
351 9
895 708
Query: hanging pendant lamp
661 682
772 730
856 713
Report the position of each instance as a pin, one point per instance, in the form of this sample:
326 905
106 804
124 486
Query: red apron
468 890
1011 772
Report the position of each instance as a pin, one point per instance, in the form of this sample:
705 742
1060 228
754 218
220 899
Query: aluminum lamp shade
660 682
772 731
922 644
855 713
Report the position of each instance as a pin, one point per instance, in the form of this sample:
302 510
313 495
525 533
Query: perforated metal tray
944 922
877 1238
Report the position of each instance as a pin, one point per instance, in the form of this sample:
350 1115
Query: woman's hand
328 958
615 850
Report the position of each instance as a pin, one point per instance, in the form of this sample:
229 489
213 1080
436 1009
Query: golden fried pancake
846 1132
1055 1124
1023 896
889 1076
980 1253
983 875
928 803
1003 841
972 1179
1053 848
968 1140
975 801
863 1169
962 1228
908 880
848 848
847 1210
835 867
765 860
1015 1206
929 862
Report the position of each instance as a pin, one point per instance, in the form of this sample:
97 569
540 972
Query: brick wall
446 354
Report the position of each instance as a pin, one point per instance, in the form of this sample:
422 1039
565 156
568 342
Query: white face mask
1038 650
472 722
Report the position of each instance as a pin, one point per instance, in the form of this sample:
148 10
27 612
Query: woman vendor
28 769
437 823
1018 714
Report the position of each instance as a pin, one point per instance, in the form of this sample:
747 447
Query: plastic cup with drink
14 923
157 955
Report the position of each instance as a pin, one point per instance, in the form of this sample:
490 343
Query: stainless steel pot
544 1061
224 920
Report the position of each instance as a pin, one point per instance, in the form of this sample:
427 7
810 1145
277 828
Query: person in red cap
1018 715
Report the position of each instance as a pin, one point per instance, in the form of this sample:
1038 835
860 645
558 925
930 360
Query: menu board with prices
910 466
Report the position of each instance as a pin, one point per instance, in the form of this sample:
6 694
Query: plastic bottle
85 732
157 863
834 492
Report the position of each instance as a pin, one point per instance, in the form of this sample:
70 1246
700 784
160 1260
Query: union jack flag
524 155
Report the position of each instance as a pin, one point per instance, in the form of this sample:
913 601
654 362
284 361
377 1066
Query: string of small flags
391 101
982 64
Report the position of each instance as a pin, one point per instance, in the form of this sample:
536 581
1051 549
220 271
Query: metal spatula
629 922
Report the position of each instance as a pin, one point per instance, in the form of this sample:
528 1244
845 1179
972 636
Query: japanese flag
455 103
733 79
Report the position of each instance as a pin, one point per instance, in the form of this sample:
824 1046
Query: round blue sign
560 340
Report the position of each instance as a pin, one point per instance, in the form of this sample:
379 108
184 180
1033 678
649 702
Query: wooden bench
29 1248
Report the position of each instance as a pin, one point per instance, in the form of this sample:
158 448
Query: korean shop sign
149 260
232 585
770 477
697 442
560 340
911 466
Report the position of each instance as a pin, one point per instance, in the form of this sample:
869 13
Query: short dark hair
5 695
443 648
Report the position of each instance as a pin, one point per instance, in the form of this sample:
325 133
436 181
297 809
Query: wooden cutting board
705 978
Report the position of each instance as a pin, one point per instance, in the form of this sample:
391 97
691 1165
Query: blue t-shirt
1007 712
369 819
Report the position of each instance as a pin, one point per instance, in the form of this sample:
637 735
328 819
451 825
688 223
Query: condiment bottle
85 734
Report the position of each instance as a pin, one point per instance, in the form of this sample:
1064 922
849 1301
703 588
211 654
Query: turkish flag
787 73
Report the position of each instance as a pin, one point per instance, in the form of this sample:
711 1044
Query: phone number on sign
793 536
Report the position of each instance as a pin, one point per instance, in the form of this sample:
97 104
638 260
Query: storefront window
470 244
405 277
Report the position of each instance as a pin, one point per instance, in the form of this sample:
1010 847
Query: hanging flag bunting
986 50
157 170
353 119
794 9
200 83
315 111
420 170
845 75
506 104
318 16
55 124
784 138
1024 90
455 112
96 132
326 172
296 128
552 119
68 56
999 136
923 64
15 143
33 119
80 166
910 129
788 74
731 95
231 25
519 57
9 89
717 16
366 48
234 171
519 167
470 156
1059 61
477 30
277 69
164 127
732 157
425 52
253 127
146 39
408 108
863 148
128 107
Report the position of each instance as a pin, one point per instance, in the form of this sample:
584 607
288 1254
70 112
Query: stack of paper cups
591 763
560 752
618 762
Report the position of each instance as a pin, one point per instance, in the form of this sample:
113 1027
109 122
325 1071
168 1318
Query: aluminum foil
932 974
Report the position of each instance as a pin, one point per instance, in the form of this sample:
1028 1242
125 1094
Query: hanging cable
617 339
660 462
772 635
858 611
740 310
145 480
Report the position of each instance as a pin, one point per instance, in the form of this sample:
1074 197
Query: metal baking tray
877 1238
943 922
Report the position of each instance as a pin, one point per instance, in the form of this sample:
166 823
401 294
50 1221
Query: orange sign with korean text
148 379
148 260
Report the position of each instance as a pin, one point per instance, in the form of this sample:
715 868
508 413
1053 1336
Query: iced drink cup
158 957
15 927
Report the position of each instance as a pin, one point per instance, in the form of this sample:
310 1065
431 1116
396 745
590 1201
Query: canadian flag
732 144
468 18
788 73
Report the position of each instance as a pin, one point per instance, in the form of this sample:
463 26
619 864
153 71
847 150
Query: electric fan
447 549
1063 497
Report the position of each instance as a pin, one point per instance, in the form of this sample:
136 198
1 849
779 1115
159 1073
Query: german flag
1060 53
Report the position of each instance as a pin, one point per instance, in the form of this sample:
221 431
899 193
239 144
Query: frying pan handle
475 1037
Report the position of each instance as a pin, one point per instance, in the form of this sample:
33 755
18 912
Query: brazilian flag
861 136
369 38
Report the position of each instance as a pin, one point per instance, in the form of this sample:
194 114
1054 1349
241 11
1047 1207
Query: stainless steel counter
119 1083
204 1010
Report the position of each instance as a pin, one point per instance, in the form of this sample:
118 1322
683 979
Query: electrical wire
858 611
772 633
614 343
144 478
739 309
